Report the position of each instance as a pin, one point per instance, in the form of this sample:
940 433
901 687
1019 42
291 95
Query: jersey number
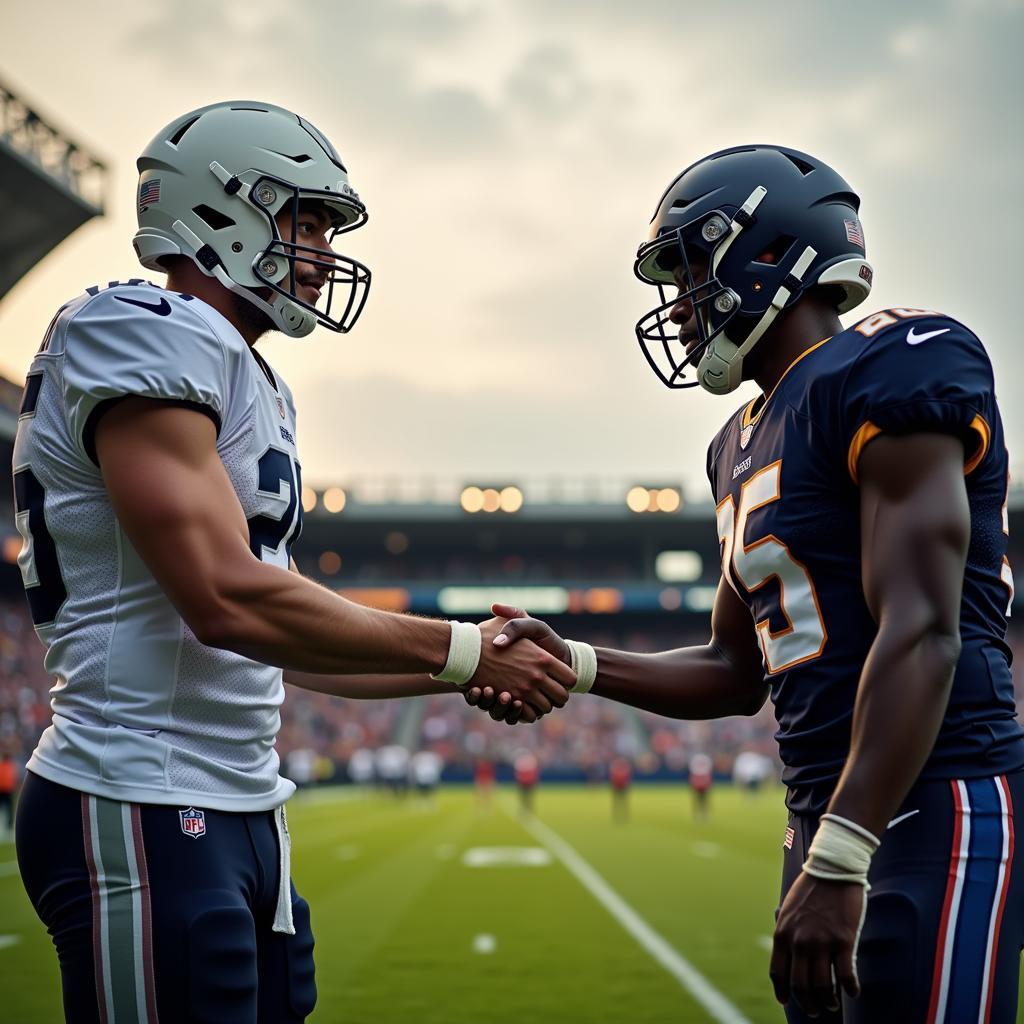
40 567
40 570
755 562
275 470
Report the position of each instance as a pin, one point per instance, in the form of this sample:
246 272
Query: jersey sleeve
122 344
927 374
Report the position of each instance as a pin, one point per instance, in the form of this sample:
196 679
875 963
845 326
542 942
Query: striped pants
163 914
944 926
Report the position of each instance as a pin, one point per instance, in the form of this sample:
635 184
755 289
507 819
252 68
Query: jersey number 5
756 562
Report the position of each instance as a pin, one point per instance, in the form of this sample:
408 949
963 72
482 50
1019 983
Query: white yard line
660 949
9 940
8 867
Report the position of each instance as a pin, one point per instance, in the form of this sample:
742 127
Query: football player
861 510
157 486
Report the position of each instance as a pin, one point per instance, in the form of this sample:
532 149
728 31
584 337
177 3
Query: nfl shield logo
193 822
280 406
745 435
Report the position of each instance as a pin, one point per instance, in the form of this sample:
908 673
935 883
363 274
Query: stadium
448 884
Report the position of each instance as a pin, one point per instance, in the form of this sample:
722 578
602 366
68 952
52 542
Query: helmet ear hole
775 252
214 218
854 278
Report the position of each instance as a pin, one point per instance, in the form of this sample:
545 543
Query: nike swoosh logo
916 339
162 308
903 817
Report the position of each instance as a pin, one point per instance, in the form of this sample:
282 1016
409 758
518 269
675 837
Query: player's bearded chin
252 317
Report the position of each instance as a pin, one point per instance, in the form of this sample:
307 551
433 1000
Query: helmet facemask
700 241
347 281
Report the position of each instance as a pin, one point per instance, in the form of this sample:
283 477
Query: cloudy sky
511 153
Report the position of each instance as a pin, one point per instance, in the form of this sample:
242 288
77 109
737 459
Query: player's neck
795 331
184 276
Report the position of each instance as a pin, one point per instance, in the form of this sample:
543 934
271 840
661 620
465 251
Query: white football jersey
142 711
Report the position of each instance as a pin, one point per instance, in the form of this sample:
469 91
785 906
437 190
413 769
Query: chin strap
721 367
289 318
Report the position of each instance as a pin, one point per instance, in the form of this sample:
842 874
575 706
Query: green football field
456 913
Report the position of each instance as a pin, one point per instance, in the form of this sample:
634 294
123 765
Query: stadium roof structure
49 187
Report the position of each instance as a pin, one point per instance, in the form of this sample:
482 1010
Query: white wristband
463 654
841 851
583 661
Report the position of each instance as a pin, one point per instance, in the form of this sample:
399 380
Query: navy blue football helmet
761 224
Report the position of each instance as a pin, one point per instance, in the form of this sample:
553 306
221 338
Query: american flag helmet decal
149 193
854 234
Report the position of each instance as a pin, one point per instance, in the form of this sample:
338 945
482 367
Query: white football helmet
210 186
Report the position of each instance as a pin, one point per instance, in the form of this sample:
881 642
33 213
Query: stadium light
12 548
388 599
602 600
700 599
637 499
678 566
472 499
511 499
329 562
491 499
308 498
669 499
396 542
467 600
654 499
334 499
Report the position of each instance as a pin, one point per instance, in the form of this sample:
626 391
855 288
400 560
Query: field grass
407 931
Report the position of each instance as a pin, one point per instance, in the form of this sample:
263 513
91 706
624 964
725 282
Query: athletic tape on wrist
841 851
583 661
463 654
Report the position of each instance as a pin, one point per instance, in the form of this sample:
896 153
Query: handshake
519 669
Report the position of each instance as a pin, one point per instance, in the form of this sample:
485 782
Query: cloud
511 155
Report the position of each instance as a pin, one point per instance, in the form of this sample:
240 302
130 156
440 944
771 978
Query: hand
524 672
818 927
522 626
500 705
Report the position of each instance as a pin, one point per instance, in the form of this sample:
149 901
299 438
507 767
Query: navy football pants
944 927
160 916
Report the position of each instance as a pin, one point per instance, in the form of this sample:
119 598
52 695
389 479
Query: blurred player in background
300 766
8 787
392 765
426 768
157 485
861 513
620 776
361 770
751 770
526 769
483 780
700 775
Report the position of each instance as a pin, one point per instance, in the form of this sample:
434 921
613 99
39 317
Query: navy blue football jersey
784 475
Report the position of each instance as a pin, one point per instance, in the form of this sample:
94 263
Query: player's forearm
280 618
901 701
373 686
691 682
